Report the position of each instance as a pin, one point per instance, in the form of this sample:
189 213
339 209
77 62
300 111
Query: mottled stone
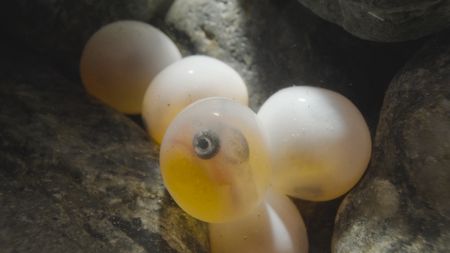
75 176
59 29
403 203
275 44
385 20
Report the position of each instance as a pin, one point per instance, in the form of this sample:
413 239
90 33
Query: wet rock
274 44
76 176
402 204
385 20
59 29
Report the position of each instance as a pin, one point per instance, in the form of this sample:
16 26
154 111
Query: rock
75 176
274 44
402 204
385 20
59 29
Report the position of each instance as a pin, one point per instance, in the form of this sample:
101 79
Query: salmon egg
119 61
185 81
214 160
276 226
319 142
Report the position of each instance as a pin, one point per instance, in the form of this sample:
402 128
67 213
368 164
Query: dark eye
206 144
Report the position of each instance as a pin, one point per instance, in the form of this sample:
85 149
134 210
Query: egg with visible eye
184 82
319 142
214 160
119 61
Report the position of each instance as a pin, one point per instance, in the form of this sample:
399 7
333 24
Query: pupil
203 143
206 144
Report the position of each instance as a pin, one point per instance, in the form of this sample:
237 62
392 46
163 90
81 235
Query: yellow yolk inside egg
214 160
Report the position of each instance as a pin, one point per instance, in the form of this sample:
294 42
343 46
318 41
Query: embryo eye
206 144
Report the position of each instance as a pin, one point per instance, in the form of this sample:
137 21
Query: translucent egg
275 227
184 82
319 142
120 60
214 160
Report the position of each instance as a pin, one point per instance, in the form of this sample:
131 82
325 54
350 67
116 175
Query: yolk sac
319 142
120 60
214 160
184 82
276 226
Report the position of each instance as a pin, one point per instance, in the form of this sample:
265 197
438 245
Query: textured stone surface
403 204
76 176
59 29
385 20
274 44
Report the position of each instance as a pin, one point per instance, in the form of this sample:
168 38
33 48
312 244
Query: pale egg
319 142
275 227
119 61
186 81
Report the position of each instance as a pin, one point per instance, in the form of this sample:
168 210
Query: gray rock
385 20
403 204
275 44
59 29
75 176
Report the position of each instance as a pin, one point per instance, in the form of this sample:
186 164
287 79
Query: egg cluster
221 162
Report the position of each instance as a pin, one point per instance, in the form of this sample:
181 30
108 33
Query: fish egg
319 142
214 160
119 61
276 226
185 81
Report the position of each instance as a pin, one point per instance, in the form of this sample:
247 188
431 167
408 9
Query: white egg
184 82
275 227
120 60
319 142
